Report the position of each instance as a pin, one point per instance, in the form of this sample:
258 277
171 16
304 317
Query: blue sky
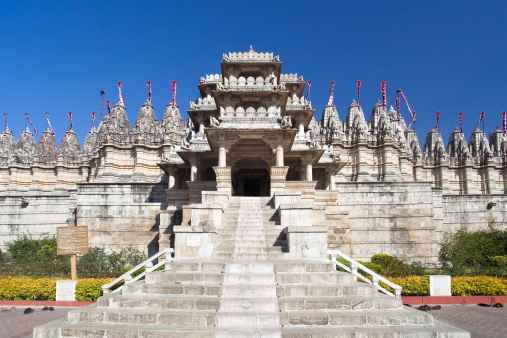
447 56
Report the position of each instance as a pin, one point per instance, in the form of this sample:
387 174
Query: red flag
308 92
480 121
358 93
34 130
93 120
504 125
461 121
108 108
397 100
49 123
70 117
149 90
174 93
120 94
438 119
384 103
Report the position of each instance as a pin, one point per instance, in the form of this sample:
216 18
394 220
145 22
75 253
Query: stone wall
394 218
34 212
119 215
472 211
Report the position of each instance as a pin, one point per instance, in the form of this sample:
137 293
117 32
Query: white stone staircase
248 290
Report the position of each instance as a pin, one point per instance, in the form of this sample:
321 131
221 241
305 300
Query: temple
363 187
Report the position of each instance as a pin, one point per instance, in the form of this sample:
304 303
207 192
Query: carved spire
7 146
413 144
434 149
478 145
147 126
90 142
47 150
457 146
25 147
70 150
330 124
173 126
355 123
116 127
496 138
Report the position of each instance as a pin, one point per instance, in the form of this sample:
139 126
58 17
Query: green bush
412 285
472 253
27 288
391 266
478 286
97 263
36 257
89 289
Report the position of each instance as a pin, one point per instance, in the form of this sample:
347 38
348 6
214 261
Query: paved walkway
481 322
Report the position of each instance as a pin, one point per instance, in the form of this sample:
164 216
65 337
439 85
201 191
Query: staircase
248 290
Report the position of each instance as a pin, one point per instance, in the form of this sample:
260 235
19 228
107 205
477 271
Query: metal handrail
374 277
147 264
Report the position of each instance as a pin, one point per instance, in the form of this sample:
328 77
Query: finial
251 49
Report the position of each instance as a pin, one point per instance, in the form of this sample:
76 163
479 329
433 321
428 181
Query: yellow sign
72 240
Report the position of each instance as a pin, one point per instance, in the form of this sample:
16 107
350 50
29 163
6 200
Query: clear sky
447 56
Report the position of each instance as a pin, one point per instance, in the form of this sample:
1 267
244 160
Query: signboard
72 240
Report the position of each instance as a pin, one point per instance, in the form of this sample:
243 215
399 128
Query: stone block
65 290
440 285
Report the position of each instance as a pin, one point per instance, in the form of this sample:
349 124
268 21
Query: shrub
372 266
89 289
391 266
465 252
478 286
37 257
412 285
27 289
98 263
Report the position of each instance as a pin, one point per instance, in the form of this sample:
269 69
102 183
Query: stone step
279 266
94 314
62 328
267 241
250 248
252 290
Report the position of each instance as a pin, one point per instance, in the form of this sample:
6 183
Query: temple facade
252 133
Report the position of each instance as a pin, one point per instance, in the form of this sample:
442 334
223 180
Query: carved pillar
193 167
222 156
279 155
223 175
301 126
309 172
172 178
331 183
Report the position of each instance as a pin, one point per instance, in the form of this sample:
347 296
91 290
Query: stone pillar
172 179
332 180
279 156
301 127
193 168
309 172
222 156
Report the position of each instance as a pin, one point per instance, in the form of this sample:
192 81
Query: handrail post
374 281
397 292
353 269
105 290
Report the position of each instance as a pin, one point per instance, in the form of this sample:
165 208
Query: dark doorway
252 187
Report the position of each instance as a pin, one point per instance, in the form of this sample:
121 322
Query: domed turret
116 127
7 146
25 147
47 150
90 142
147 126
69 148
457 146
434 149
172 124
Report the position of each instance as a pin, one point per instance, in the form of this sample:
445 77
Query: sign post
72 240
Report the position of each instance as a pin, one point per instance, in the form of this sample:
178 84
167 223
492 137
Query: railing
147 264
374 277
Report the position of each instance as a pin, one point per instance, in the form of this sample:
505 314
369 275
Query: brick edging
420 300
43 303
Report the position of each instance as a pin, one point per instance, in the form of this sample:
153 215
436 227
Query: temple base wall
34 213
120 215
